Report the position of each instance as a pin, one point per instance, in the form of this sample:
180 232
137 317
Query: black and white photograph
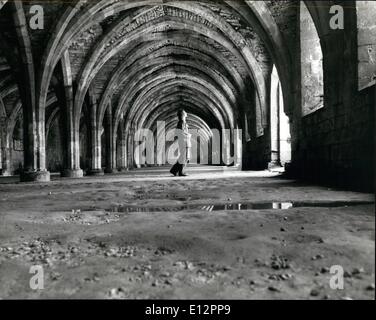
187 150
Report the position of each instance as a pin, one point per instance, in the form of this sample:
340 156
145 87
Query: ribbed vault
117 66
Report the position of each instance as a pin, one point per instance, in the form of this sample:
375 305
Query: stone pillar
33 113
123 165
238 147
5 169
70 136
110 142
274 121
4 149
96 156
33 138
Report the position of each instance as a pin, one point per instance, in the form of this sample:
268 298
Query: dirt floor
92 242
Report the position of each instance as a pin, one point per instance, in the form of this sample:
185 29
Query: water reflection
236 206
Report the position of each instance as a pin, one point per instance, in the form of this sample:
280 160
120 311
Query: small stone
274 289
285 218
55 276
324 270
358 271
302 228
283 230
189 265
314 293
347 274
179 264
285 276
371 287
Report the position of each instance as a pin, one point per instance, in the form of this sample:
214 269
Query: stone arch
88 72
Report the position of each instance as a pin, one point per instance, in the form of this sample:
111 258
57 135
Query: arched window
312 78
366 17
280 139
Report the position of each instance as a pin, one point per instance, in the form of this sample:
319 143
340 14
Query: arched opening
312 74
280 137
54 143
366 23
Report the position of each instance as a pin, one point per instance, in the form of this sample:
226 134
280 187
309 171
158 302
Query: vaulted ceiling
142 60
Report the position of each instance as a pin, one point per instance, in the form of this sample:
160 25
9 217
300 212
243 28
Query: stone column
5 169
4 149
274 122
238 147
110 142
123 165
123 152
34 139
33 112
96 145
70 137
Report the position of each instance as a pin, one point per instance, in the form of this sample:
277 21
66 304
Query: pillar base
70 173
5 173
35 176
110 171
123 170
95 172
274 164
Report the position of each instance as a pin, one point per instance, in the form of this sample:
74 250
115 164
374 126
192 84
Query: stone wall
366 12
335 144
311 64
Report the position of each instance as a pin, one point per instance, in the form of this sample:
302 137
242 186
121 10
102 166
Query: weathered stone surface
215 59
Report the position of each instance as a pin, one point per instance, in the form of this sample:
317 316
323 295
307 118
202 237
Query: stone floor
147 235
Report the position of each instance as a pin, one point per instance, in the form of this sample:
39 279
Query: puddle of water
238 206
